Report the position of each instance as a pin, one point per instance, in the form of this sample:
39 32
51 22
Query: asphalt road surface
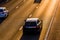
54 34
17 17
11 5
11 28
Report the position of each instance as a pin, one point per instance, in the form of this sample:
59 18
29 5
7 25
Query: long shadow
30 36
1 20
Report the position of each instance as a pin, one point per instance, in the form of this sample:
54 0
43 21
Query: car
37 1
3 1
32 25
3 13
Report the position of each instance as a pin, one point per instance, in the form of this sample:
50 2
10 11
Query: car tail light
37 27
34 27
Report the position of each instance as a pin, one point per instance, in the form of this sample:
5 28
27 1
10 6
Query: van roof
32 19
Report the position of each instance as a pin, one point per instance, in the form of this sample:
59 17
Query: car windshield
30 24
1 10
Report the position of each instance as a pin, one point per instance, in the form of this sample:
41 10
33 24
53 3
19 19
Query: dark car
32 25
3 1
37 1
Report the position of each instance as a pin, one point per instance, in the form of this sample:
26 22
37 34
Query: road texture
54 33
48 17
10 28
39 12
11 25
11 5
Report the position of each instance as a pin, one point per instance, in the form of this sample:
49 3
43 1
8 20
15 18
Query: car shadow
30 36
1 20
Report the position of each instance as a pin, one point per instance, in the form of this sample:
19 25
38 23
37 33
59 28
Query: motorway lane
54 33
13 4
48 17
16 12
19 34
15 24
8 3
10 28
42 8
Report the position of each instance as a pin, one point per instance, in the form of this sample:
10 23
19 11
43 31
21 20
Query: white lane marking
37 7
50 24
17 6
30 15
20 28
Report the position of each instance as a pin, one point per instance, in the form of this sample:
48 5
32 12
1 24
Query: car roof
32 19
2 7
